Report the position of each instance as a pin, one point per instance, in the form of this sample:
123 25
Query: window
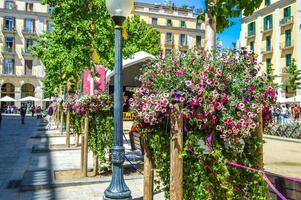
154 21
268 62
288 59
28 43
198 40
251 29
252 46
198 25
268 23
287 12
28 67
9 44
288 40
8 66
10 5
183 40
29 25
268 67
183 24
49 26
268 43
168 22
29 7
9 23
169 38
267 2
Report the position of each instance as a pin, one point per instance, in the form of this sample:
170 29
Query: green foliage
224 9
294 77
101 133
79 27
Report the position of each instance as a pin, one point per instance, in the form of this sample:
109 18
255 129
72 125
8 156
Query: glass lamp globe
120 8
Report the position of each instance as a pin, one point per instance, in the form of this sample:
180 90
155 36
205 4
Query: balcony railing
287 44
267 50
26 51
8 50
268 28
286 21
251 33
29 31
9 29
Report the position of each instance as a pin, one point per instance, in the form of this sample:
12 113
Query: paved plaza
29 176
18 164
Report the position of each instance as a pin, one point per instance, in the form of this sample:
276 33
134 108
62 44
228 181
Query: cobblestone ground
14 149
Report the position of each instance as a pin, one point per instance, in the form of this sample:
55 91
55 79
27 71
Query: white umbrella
30 98
47 99
7 99
281 99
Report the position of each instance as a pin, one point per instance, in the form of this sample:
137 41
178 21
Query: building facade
179 27
21 74
273 32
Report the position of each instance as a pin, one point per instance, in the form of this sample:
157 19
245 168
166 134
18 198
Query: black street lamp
118 10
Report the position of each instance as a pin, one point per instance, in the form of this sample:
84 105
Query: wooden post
85 142
260 136
62 120
95 164
82 146
68 129
148 192
176 149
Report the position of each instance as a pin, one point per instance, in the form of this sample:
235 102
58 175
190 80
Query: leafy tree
218 13
294 77
79 27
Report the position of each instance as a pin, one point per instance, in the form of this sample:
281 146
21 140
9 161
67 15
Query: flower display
221 92
89 103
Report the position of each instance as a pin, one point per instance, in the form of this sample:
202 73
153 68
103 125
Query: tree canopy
79 27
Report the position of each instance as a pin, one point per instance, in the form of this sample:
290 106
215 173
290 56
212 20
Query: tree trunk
176 149
68 129
95 165
85 142
148 173
210 27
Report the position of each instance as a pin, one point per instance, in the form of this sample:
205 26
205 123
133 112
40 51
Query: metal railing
9 29
26 51
251 33
288 130
8 50
268 27
29 30
286 20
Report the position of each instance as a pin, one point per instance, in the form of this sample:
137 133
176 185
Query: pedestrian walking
32 111
49 116
38 111
23 110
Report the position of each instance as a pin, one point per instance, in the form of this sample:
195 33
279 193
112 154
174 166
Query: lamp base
106 198
118 20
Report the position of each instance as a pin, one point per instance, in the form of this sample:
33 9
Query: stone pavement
282 157
19 166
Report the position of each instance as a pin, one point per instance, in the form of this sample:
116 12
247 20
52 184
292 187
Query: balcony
286 21
267 50
251 33
26 52
28 31
8 51
183 46
9 29
267 28
169 44
287 45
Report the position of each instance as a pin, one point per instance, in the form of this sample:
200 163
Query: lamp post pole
117 189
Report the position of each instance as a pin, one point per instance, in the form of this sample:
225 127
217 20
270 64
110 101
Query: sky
229 35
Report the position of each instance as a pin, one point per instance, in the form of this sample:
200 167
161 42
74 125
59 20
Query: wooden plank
176 149
260 136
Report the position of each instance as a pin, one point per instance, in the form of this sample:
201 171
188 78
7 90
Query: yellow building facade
274 33
21 74
179 27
